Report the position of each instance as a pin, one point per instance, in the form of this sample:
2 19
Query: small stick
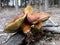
53 22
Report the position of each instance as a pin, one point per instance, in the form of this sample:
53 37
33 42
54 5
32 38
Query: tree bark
37 5
30 1
0 5
46 5
59 3
16 5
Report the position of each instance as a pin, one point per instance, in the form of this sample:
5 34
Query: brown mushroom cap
43 16
12 26
37 17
